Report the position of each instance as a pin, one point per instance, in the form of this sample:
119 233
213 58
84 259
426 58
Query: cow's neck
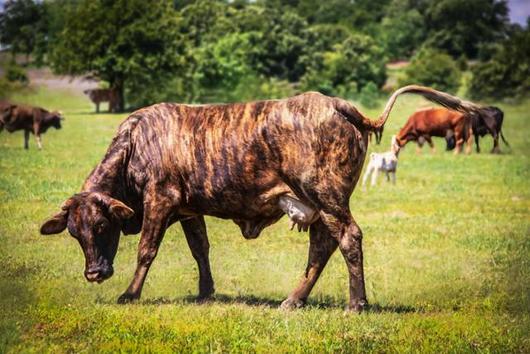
108 176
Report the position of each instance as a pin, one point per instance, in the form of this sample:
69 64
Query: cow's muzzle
98 274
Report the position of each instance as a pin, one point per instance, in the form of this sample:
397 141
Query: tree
21 25
507 73
348 67
460 27
401 30
131 43
431 67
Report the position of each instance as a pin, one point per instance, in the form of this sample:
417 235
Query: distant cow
488 120
248 162
422 125
34 120
103 95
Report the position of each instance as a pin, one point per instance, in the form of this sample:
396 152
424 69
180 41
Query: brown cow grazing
422 125
103 95
248 162
31 119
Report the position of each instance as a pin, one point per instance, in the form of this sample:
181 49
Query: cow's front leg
26 139
477 143
39 141
154 226
195 231
321 247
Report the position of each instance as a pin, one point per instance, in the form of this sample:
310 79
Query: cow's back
434 121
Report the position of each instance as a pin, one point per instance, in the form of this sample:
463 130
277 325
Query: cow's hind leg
195 231
156 216
321 247
349 237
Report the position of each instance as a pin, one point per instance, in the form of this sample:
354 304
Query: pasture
447 257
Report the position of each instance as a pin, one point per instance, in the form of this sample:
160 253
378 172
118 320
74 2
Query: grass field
447 258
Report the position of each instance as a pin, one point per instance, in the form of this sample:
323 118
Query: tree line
213 50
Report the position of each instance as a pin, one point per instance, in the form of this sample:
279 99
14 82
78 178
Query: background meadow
446 258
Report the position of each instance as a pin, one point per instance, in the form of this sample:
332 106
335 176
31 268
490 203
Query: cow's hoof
292 304
202 299
127 298
357 307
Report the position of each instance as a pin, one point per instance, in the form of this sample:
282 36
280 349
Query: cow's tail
442 98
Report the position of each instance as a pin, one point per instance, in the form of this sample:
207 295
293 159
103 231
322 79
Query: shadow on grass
256 301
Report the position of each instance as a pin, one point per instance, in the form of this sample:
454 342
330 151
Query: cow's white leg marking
299 213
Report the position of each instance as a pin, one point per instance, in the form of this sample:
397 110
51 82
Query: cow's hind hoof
292 304
127 298
357 307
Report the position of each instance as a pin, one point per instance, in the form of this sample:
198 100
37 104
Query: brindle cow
249 162
31 119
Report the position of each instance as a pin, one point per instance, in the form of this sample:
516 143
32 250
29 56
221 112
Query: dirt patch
45 77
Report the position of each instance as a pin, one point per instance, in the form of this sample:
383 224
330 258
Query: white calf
383 162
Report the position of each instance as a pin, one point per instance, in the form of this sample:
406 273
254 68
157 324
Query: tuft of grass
446 258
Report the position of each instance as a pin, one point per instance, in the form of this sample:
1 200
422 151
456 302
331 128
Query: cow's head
94 219
6 112
54 119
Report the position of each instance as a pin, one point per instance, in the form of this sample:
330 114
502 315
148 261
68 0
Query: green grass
447 254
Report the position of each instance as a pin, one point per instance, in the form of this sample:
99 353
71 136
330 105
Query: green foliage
348 67
130 44
446 254
460 27
507 73
433 68
16 73
401 30
369 95
21 25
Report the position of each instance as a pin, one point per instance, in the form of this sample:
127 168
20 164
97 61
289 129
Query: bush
433 68
15 73
507 73
369 95
350 65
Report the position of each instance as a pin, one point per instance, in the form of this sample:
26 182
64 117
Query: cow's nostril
92 275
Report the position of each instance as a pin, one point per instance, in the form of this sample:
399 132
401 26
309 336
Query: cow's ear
55 225
119 210
58 222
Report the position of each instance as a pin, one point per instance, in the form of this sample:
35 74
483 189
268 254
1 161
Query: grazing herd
247 162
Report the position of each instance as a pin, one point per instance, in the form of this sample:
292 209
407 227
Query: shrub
433 68
507 73
369 95
15 73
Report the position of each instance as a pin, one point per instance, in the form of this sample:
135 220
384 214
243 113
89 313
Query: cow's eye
100 226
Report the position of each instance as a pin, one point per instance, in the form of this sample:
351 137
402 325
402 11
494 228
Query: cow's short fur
103 95
247 162
35 120
426 123
385 162
488 120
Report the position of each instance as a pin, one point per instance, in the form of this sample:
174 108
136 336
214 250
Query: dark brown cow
422 125
103 95
488 120
35 120
248 162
